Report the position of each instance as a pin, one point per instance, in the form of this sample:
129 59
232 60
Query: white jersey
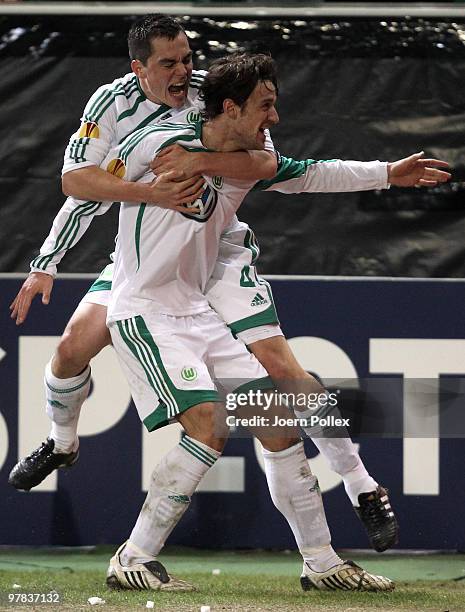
113 112
163 258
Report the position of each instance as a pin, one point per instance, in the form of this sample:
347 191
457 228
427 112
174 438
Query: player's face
167 72
257 114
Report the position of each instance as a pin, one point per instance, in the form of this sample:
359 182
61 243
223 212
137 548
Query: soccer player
173 347
157 89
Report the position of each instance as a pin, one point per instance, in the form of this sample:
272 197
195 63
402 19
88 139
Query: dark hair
147 27
235 76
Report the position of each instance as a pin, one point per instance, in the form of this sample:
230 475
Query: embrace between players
184 277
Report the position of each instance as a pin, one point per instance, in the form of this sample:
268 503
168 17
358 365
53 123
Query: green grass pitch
248 581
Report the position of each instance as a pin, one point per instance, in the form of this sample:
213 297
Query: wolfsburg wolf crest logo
206 204
193 117
188 373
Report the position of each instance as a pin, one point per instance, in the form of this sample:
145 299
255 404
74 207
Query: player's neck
217 136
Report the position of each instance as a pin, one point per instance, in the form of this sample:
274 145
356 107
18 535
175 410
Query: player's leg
245 302
67 375
293 488
275 355
368 498
149 354
296 494
67 382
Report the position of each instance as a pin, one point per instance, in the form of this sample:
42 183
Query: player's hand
176 157
36 282
171 190
415 171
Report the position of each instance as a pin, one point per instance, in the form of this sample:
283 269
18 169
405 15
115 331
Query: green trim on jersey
197 80
141 91
186 138
251 243
131 87
288 168
173 401
131 111
98 107
163 109
100 285
263 384
137 137
106 98
68 232
77 148
103 102
140 215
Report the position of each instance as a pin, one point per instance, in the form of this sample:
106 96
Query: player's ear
138 68
230 108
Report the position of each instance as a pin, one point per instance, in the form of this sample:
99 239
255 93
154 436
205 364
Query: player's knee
278 364
275 443
70 357
207 424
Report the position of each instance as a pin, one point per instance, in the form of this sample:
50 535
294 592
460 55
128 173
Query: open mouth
177 88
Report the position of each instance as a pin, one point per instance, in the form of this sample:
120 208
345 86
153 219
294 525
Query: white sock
343 458
341 454
65 397
173 482
296 494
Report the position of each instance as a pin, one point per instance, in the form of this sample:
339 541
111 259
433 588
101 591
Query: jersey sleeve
96 134
326 176
131 159
70 224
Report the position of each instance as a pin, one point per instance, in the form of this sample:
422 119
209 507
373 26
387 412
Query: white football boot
150 576
346 576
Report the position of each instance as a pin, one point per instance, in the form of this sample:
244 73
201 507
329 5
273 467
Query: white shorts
99 291
235 291
255 334
249 311
174 363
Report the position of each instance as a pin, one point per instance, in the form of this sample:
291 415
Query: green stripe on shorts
139 340
264 384
266 317
100 285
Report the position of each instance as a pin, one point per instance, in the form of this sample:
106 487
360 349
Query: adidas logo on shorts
258 300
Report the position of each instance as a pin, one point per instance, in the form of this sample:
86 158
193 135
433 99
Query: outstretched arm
311 176
416 171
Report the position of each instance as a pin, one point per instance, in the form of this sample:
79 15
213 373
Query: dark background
353 88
